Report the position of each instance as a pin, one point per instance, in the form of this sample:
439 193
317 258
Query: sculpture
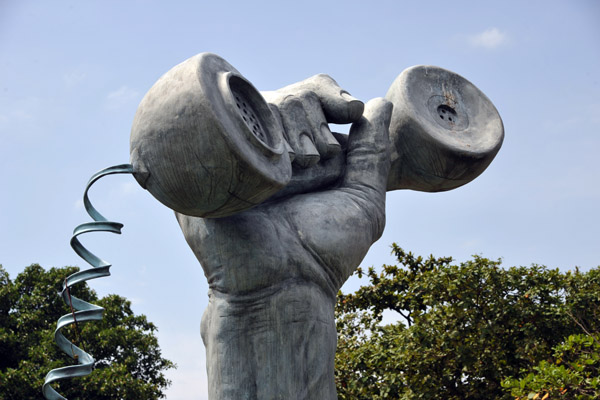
280 211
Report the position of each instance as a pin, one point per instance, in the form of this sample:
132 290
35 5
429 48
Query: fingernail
355 106
381 109
355 110
333 147
347 96
289 149
307 155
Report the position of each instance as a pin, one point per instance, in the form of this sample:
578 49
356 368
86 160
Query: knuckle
291 101
309 95
325 79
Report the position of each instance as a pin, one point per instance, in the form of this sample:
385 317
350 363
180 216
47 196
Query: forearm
281 345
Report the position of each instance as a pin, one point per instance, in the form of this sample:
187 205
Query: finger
288 148
298 132
338 105
368 160
324 141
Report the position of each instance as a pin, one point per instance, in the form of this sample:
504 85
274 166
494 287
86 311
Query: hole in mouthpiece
445 111
449 113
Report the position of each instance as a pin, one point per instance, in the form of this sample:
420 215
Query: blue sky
72 74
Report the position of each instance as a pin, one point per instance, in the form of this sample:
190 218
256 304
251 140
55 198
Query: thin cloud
121 97
25 116
129 188
73 78
186 350
489 39
136 301
78 204
25 109
586 118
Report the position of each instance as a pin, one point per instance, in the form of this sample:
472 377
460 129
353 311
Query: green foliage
573 373
574 370
463 328
128 359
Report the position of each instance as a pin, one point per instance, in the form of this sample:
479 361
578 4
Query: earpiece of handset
205 143
444 130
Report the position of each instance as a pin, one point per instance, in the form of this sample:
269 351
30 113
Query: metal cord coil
85 311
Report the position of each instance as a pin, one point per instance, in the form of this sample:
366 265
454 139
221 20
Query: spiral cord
81 310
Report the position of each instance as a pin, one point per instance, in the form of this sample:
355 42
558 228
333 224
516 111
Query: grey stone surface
274 271
204 142
289 208
444 131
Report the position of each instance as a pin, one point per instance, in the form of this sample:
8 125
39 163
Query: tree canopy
469 331
129 364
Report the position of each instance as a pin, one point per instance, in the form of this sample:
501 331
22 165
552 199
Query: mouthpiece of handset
444 131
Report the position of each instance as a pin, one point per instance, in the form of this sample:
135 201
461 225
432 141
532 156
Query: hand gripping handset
205 143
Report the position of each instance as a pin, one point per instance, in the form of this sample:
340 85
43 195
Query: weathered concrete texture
445 132
204 142
274 272
291 207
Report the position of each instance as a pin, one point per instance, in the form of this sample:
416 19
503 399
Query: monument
280 211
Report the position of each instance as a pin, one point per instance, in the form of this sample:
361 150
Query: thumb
368 156
338 105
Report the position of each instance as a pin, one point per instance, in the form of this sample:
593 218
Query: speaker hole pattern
250 118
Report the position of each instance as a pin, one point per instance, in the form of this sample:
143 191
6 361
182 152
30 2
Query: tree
463 329
572 373
128 364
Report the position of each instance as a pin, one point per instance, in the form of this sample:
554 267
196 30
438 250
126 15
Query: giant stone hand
280 211
274 272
